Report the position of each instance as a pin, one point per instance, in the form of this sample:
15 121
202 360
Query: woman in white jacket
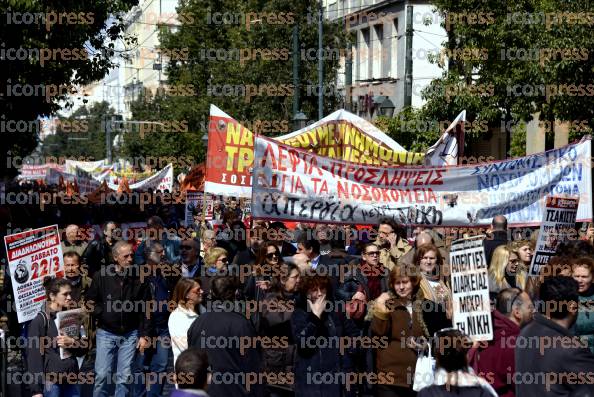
187 294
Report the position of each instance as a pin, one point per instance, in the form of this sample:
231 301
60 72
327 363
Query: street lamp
384 105
299 121
205 139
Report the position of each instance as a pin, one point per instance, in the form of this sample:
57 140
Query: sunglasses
186 247
223 260
372 253
272 255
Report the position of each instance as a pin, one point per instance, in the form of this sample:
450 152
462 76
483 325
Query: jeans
65 390
155 359
118 350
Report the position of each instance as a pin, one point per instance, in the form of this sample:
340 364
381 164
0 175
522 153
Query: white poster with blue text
296 185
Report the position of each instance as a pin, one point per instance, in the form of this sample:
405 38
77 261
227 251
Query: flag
450 145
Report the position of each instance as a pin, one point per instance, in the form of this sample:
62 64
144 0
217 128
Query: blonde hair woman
506 271
524 250
216 259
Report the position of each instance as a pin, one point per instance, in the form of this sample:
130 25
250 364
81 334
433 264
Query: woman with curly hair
524 250
407 319
317 324
506 270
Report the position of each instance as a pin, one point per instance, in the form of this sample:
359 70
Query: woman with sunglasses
506 270
216 260
453 377
268 263
187 295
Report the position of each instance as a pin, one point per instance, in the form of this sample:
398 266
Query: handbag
424 371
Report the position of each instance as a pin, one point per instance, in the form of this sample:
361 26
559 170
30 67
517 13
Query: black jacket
277 310
544 347
244 257
454 391
120 302
318 351
96 255
218 332
490 243
41 337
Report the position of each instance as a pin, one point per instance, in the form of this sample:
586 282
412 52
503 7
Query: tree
511 59
250 78
81 135
49 47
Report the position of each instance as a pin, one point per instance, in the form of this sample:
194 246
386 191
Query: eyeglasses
271 255
372 253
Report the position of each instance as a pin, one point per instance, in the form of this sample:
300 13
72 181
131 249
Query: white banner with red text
33 255
296 185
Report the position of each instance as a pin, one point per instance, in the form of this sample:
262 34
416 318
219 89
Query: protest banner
91 167
340 135
194 201
33 255
162 180
558 224
470 289
295 185
85 182
69 323
34 172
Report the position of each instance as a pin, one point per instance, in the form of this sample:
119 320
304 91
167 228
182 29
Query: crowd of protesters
240 308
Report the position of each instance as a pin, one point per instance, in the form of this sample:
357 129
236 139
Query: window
393 50
363 56
377 53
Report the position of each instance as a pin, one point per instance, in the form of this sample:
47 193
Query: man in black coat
550 360
119 300
229 340
498 237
